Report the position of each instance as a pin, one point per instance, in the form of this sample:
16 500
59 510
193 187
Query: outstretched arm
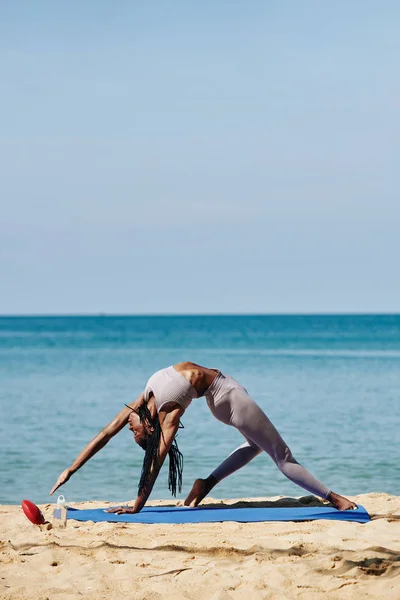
169 421
98 442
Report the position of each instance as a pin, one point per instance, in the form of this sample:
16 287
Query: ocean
330 384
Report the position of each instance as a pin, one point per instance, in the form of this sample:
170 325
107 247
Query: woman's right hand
65 475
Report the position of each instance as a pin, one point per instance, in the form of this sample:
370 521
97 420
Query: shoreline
216 561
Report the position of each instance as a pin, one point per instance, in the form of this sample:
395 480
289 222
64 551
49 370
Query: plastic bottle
60 513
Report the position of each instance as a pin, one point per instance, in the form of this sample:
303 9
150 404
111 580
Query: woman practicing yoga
154 420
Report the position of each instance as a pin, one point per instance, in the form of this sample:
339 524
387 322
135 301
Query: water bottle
60 513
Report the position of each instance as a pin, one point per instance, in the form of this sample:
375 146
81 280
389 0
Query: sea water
330 384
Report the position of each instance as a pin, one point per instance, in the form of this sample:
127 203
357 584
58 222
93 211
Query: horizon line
207 314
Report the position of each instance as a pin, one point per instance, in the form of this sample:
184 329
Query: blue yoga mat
169 514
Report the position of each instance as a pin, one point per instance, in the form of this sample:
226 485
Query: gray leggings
235 407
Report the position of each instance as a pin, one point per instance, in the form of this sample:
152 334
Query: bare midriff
199 377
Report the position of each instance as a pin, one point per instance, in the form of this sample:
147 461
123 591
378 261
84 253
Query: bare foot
340 502
200 489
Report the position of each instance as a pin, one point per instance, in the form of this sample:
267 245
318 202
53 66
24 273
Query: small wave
301 352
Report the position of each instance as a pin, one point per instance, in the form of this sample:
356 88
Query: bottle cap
61 500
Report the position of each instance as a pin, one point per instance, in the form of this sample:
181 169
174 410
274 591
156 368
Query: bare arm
169 421
98 442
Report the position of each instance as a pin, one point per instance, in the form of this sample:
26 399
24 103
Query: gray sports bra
168 385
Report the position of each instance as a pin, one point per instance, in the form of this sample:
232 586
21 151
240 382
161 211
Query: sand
211 561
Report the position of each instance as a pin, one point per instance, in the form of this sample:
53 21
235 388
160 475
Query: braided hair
151 459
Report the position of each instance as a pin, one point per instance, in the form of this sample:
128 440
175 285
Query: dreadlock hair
152 453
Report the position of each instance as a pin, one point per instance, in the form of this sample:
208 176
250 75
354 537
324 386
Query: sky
199 157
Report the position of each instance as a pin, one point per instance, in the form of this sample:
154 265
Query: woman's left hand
122 510
65 475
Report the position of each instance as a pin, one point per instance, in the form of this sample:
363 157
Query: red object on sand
33 512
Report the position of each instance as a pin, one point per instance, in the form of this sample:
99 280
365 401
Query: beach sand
211 561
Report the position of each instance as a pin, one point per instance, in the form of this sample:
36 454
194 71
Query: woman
154 420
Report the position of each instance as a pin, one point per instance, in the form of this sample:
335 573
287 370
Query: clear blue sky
178 156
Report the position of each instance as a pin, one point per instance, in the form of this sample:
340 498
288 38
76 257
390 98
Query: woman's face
139 432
